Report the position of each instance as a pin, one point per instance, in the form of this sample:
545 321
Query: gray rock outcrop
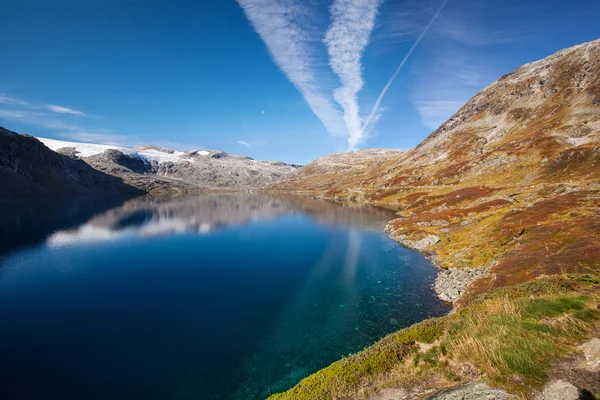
559 390
472 391
451 283
591 352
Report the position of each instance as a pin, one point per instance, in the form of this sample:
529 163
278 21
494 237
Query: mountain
505 198
517 166
28 168
158 170
340 170
539 123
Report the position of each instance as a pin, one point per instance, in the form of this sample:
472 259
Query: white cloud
352 22
278 23
63 110
448 80
243 143
5 99
60 120
437 111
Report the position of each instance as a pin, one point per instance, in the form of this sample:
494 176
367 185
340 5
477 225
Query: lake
219 296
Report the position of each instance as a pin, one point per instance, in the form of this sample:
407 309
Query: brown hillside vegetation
513 176
511 182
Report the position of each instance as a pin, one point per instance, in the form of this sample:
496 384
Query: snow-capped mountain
28 168
159 170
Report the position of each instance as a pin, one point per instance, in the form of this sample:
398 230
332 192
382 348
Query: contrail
352 22
280 26
412 49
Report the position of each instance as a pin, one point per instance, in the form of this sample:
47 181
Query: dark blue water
213 297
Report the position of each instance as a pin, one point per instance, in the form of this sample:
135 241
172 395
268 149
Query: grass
510 337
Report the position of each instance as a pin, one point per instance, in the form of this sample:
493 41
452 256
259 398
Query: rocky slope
517 166
28 168
159 170
340 170
505 198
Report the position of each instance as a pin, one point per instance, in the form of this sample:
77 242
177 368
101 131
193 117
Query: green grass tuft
546 308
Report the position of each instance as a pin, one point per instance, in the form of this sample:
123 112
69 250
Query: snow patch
91 149
84 149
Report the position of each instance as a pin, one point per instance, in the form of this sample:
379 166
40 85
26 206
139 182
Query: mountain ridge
162 171
28 168
504 198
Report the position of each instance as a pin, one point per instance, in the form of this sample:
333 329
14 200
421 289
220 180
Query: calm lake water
212 297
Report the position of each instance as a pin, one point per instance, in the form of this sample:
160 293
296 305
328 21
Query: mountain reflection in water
149 216
217 296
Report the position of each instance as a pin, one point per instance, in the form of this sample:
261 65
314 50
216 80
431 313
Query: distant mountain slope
540 123
512 180
340 170
28 168
156 169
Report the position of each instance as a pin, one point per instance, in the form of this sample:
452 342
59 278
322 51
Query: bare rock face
591 352
419 245
114 161
473 391
559 390
451 283
28 168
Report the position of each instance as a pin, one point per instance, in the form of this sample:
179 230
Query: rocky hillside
505 198
340 170
515 167
159 170
28 168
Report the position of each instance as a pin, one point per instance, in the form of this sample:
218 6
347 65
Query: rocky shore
450 283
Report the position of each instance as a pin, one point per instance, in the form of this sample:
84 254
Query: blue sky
287 80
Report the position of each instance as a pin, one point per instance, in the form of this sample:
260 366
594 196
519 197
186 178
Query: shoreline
450 283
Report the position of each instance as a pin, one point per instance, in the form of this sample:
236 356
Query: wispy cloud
241 142
449 80
279 24
454 64
5 99
63 110
287 27
61 121
391 80
352 22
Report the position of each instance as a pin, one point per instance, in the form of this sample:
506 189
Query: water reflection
28 222
59 222
219 296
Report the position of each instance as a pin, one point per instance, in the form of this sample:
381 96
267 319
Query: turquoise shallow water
212 297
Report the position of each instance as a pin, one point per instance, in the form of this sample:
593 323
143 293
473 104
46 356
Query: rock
591 351
451 283
70 152
419 245
472 391
559 390
113 160
426 242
